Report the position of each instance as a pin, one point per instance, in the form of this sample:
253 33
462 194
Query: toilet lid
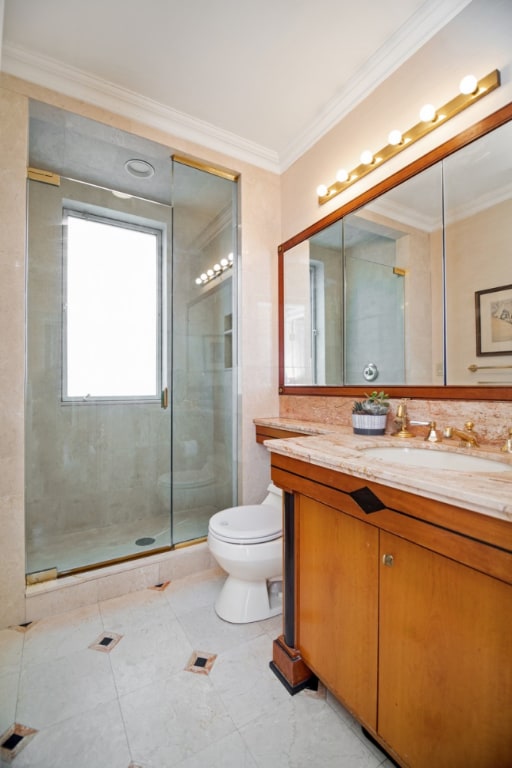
248 524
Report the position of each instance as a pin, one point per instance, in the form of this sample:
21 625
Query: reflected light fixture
216 271
470 90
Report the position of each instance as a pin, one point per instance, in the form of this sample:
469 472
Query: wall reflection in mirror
385 295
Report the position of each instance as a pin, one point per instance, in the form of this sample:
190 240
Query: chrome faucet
467 437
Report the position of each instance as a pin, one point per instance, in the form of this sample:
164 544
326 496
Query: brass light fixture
471 90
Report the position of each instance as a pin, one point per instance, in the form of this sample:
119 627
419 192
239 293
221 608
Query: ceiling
261 81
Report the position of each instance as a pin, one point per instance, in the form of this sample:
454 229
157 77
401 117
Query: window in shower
111 309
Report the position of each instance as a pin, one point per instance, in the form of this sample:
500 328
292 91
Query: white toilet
247 541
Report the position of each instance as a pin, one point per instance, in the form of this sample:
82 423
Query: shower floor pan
88 548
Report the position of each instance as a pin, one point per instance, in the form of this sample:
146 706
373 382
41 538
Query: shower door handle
164 399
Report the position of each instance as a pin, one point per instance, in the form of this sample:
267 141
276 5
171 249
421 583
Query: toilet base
241 602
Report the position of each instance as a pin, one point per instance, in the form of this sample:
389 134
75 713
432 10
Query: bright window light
111 317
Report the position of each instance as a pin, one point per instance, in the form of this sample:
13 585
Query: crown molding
411 36
52 74
70 81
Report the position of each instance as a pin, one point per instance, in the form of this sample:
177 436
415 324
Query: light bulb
468 85
204 277
224 262
230 256
395 137
209 272
342 175
366 157
198 281
321 190
217 267
428 113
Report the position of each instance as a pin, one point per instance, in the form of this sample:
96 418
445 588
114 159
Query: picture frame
493 312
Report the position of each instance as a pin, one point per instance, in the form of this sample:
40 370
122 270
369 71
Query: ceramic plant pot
369 423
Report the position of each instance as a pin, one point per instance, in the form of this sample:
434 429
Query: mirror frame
430 392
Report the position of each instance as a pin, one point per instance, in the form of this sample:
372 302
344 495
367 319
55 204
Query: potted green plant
369 416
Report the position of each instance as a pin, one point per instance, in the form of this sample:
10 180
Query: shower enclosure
131 341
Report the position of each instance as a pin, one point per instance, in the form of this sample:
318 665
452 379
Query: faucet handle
507 448
433 435
401 410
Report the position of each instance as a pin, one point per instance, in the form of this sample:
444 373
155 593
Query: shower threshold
97 547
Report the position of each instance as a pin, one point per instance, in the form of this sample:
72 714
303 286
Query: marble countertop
338 448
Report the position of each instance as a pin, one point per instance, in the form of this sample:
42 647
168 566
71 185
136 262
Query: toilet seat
248 524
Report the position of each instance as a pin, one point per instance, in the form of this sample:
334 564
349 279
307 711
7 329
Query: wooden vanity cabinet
337 560
404 616
445 660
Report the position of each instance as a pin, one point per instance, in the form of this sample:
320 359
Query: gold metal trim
113 561
399 271
484 86
184 544
126 559
38 577
474 367
47 177
216 170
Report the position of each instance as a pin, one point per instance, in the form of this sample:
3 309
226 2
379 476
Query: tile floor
155 679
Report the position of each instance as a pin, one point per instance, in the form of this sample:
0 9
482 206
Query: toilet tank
274 497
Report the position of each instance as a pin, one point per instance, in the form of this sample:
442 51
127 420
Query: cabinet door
445 660
337 577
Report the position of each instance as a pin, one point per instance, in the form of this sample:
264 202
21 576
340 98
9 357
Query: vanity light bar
471 90
216 271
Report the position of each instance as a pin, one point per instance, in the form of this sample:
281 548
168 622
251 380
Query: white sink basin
437 459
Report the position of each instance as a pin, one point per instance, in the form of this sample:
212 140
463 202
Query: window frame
125 221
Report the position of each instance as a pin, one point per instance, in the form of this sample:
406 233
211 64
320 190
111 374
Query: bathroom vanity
398 596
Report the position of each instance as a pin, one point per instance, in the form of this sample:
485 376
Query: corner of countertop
300 425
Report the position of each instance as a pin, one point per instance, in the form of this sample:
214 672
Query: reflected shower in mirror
362 296
393 317
313 306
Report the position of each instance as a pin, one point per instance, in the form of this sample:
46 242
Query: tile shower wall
13 143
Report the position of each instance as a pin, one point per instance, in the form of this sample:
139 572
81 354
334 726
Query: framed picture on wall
493 308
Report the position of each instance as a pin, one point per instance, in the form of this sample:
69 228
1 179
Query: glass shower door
202 398
97 438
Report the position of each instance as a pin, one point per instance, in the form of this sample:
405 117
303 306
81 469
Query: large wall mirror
409 286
